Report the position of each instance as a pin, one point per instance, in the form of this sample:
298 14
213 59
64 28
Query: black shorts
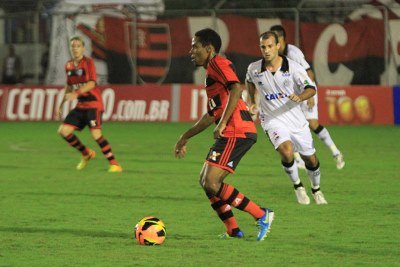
80 118
227 152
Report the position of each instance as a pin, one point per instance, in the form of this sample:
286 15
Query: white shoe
319 198
300 163
339 161
302 197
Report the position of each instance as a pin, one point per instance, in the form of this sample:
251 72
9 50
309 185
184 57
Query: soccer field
53 215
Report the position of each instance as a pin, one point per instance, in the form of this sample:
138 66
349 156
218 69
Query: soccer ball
150 231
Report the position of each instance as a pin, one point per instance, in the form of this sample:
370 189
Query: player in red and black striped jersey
220 75
81 85
235 133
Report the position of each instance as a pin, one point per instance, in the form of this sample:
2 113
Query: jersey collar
284 67
285 64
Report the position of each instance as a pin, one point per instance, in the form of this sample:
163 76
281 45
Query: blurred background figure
12 67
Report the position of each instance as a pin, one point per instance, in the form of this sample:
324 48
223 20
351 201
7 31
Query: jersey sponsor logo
77 72
213 156
275 96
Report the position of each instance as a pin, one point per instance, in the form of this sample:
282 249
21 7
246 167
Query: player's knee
63 131
60 130
287 155
211 189
311 161
210 186
318 128
96 133
314 125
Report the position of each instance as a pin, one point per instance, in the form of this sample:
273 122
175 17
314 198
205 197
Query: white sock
327 139
292 172
315 177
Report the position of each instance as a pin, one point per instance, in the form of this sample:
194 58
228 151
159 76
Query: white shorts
310 113
301 138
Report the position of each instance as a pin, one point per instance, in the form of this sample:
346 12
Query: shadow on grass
76 232
142 197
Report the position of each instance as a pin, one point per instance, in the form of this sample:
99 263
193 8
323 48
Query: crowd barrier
338 105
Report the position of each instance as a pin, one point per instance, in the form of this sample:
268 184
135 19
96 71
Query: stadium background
52 215
140 43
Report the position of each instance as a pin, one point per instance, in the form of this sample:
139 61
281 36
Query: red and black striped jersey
79 75
220 74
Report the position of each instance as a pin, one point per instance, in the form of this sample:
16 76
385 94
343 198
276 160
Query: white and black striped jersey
274 90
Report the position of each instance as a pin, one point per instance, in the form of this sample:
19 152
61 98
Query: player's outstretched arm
251 99
306 94
67 90
198 127
81 90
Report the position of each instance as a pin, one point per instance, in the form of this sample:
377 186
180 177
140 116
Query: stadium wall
338 105
396 104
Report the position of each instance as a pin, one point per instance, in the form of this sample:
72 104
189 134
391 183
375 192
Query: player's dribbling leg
263 217
225 213
315 177
293 173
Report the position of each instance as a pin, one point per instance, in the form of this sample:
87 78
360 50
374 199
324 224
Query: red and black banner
153 52
157 51
355 46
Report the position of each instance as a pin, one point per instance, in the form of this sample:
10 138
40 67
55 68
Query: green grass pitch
53 215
